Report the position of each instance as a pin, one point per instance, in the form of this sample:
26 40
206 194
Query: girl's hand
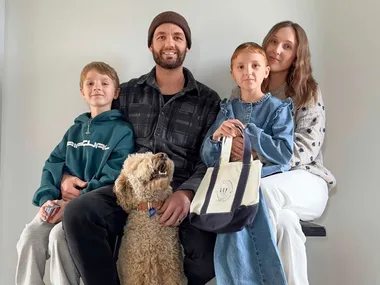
228 129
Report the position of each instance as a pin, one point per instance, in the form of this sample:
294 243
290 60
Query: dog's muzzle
160 165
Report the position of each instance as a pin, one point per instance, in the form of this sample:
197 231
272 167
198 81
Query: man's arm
200 168
177 206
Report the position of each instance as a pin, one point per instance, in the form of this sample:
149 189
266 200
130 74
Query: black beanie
173 18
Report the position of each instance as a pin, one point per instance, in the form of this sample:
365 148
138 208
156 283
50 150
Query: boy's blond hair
102 68
249 47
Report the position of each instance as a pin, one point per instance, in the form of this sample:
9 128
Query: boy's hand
70 185
175 208
42 209
58 216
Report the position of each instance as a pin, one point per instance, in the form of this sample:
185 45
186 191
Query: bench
309 229
313 230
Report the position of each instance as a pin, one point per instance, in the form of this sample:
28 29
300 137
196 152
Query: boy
93 149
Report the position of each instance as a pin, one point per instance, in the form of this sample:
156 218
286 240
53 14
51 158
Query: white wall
350 254
48 42
2 40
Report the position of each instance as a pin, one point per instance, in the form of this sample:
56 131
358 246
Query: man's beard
169 64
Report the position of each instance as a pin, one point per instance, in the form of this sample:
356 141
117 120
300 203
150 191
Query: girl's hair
302 87
102 68
248 47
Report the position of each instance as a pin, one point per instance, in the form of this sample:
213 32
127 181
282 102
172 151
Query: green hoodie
93 150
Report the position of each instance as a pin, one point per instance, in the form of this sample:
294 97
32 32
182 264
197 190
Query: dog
150 253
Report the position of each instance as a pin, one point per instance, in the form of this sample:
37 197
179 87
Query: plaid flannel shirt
176 128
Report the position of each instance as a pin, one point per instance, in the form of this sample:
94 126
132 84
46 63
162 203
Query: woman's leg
292 196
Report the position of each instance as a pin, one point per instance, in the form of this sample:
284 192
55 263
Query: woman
301 193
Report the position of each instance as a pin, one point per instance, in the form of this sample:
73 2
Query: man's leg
198 246
90 222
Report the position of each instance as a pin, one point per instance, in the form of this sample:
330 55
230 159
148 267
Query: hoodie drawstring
88 127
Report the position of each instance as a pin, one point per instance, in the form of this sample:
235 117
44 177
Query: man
170 112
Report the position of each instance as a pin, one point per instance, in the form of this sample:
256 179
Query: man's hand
70 185
175 208
58 216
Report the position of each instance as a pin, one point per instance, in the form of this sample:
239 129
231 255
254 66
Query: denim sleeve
210 149
278 147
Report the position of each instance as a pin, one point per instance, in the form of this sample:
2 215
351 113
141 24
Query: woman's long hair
302 87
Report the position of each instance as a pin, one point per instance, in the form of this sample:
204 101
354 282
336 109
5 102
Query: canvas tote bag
228 197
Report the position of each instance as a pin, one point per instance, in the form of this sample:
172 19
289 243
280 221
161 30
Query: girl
269 124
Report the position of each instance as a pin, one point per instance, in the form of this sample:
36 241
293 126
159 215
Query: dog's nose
162 155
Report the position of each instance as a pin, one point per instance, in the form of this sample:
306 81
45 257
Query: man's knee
197 244
199 254
199 270
76 212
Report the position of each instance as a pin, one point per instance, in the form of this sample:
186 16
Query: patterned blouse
309 134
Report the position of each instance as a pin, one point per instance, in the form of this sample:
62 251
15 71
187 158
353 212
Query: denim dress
250 256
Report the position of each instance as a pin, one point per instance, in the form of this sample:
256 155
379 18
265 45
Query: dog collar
149 205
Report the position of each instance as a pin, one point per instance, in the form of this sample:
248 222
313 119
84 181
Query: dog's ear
123 191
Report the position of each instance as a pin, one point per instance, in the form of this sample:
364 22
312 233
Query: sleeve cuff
45 198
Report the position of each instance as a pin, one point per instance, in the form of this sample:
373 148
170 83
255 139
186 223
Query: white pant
38 242
292 196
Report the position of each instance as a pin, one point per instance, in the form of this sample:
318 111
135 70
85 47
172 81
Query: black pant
91 223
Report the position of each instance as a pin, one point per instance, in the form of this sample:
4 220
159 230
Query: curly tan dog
150 254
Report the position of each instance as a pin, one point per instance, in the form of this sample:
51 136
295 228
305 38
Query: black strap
214 175
242 179
240 189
